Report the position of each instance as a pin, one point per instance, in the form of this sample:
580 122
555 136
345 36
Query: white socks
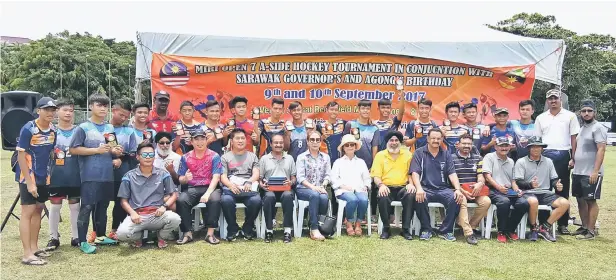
269 231
54 220
74 209
287 230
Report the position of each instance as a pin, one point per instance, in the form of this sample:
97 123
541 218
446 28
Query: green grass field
345 257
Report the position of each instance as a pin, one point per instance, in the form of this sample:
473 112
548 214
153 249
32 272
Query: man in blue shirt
433 173
524 128
36 142
416 130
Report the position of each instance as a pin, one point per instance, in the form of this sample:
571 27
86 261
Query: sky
121 20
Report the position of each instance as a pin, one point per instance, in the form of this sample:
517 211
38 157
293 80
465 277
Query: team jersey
188 130
127 139
147 134
38 145
218 144
268 129
417 129
476 131
298 142
65 169
366 133
331 143
98 167
522 133
383 127
452 137
157 124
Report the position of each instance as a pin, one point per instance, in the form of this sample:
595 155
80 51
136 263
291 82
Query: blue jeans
356 201
317 204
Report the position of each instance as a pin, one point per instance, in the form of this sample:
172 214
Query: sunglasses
587 111
164 143
315 140
349 145
147 155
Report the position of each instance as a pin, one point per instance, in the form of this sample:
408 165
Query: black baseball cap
197 133
46 102
162 94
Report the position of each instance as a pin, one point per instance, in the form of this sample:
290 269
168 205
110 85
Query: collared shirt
392 172
239 165
590 135
350 172
175 158
556 130
434 171
38 144
468 167
269 166
142 191
311 169
500 170
203 169
525 169
383 128
155 122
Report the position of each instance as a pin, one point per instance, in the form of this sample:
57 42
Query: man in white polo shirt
558 128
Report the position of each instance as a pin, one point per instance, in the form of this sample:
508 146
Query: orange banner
316 80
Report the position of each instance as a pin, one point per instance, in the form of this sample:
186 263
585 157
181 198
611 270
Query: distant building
14 40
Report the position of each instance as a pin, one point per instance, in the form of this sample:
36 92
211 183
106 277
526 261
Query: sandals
358 229
42 254
188 239
212 240
35 262
349 229
317 236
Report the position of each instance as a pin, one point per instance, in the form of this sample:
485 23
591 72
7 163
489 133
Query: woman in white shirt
351 182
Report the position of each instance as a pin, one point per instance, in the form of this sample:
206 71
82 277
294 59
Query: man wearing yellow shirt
390 171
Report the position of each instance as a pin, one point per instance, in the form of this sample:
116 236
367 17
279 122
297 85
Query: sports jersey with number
299 143
38 145
268 129
65 170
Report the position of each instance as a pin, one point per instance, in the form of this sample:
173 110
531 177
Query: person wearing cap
588 170
434 173
536 176
500 129
504 192
184 128
385 123
200 169
167 159
36 142
351 183
142 195
469 111
451 128
524 128
266 128
558 128
390 172
160 119
216 133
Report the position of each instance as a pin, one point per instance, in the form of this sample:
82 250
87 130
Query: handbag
327 225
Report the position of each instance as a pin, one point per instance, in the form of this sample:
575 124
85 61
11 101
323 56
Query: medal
231 122
309 124
290 126
256 113
218 132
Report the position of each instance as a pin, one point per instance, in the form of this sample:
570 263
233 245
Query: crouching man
142 192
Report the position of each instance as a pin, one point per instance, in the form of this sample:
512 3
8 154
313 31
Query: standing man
417 130
297 138
588 170
184 128
36 143
385 123
524 128
216 133
65 182
433 174
451 129
161 119
558 127
277 164
390 174
96 156
239 107
475 128
501 129
331 129
140 124
270 126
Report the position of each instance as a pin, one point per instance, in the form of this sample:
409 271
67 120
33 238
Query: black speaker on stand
18 108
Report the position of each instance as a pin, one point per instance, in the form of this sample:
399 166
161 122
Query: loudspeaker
18 108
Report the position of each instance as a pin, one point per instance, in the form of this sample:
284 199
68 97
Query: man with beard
140 123
297 138
417 130
216 133
475 128
390 174
588 170
523 128
184 128
161 119
167 159
558 128
270 126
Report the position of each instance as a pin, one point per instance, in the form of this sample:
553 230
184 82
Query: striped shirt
467 168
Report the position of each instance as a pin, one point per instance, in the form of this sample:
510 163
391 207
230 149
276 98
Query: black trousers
408 203
561 164
508 219
190 198
118 214
269 207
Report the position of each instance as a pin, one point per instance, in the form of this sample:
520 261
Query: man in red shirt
239 108
161 119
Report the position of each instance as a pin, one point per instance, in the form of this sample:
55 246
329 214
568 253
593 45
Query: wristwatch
165 205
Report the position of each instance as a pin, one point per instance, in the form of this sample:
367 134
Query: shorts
543 198
64 192
28 199
581 187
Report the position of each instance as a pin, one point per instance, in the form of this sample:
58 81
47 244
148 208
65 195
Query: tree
56 66
587 70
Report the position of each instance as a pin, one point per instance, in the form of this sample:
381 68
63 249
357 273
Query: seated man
433 174
468 167
167 159
390 172
536 175
142 196
277 164
200 169
240 175
504 192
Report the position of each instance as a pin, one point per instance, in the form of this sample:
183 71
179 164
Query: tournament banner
317 80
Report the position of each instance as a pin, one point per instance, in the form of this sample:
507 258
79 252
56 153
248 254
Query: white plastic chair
278 205
341 205
434 205
222 223
301 207
523 227
415 225
196 217
487 233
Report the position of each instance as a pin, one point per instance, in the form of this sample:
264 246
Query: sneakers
232 237
104 240
162 244
269 237
425 235
92 237
447 236
534 235
75 242
250 236
589 235
406 234
563 230
137 244
385 234
113 235
501 237
513 236
545 231
579 231
52 244
287 237
87 248
472 239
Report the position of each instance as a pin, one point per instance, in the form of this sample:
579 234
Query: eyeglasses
164 143
147 155
586 111
315 140
349 145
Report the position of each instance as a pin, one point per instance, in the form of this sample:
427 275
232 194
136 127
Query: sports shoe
104 240
52 244
113 235
501 237
533 235
232 237
250 236
162 244
75 242
425 235
87 248
563 230
406 234
589 235
385 234
513 236
472 239
92 237
545 231
269 237
579 231
447 236
287 237
137 244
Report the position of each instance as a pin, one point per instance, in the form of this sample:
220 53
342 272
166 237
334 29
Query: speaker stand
10 213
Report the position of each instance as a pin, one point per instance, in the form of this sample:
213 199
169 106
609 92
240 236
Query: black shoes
269 237
563 230
287 237
385 234
75 242
406 234
52 244
579 231
472 239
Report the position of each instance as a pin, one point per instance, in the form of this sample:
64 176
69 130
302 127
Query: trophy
179 129
418 131
476 133
110 138
309 124
290 126
399 84
60 155
256 114
355 132
218 132
447 124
